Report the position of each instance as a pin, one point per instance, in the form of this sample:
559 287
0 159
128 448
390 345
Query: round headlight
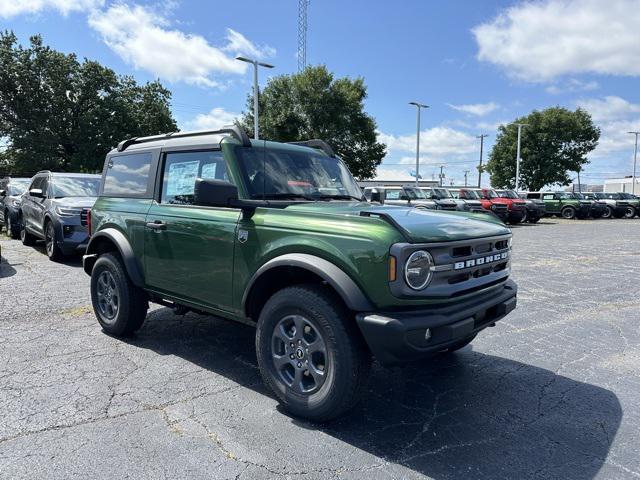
417 269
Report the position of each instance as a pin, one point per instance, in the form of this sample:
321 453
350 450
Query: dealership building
621 185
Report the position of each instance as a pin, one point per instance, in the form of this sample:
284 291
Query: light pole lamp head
419 105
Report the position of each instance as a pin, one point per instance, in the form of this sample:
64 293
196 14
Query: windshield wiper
282 196
338 197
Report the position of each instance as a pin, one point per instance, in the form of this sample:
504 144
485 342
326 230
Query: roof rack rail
316 143
234 130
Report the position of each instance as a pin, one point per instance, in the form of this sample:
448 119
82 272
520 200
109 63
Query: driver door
188 248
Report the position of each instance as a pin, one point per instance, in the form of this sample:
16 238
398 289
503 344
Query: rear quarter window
127 175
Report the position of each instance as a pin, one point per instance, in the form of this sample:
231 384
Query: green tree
313 104
61 114
554 144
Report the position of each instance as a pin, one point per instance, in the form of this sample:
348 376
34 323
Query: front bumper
71 237
516 216
396 337
535 211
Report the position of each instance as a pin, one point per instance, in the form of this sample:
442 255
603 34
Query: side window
393 195
37 182
181 170
127 174
548 196
45 186
367 193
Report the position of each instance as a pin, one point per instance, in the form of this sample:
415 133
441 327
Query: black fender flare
118 238
342 283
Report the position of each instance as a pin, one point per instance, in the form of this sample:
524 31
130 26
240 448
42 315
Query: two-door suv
279 235
563 204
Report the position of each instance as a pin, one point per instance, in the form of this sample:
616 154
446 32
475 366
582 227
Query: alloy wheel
629 212
50 238
299 354
108 296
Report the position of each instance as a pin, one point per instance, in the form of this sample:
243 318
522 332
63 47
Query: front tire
310 352
13 229
568 213
630 212
119 305
51 246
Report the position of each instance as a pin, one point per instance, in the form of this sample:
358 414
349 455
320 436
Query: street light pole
255 64
418 107
520 125
635 158
466 172
481 137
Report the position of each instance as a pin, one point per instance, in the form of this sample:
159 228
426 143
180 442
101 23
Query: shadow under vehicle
466 415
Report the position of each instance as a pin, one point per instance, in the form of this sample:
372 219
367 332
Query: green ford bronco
279 235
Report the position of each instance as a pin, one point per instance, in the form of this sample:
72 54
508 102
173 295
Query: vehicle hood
78 202
417 225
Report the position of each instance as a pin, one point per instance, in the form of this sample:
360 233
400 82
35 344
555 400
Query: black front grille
83 217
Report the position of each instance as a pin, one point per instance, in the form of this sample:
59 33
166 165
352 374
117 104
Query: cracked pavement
553 391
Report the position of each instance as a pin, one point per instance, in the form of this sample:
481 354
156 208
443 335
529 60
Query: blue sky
477 64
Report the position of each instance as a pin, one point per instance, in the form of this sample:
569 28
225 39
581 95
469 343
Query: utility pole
481 137
635 157
520 126
418 106
255 64
441 174
466 172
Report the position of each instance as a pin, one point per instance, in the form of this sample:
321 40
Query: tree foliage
554 144
313 104
61 114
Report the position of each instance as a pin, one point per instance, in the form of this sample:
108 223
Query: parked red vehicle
517 208
500 209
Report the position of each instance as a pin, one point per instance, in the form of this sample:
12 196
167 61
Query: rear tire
119 305
608 212
310 352
568 213
26 238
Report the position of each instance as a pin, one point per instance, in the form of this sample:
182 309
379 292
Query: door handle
157 225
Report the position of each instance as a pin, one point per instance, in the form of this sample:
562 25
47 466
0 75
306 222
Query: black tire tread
134 308
320 300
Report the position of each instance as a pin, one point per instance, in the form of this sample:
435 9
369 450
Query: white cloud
386 174
11 8
479 109
542 40
609 108
437 141
491 126
572 85
216 118
145 40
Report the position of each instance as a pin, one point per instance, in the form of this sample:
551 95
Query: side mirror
215 193
36 192
376 197
3 193
434 196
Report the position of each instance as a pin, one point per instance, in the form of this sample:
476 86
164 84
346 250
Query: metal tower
302 34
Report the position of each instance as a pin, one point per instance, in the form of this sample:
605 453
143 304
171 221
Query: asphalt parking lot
553 391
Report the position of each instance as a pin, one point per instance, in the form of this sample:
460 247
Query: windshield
18 187
491 193
75 186
415 193
508 194
442 192
627 196
470 195
293 174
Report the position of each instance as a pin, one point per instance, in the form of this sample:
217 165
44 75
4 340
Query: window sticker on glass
209 170
182 178
393 194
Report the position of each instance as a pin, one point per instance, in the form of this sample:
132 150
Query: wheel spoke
317 346
318 375
299 322
281 360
